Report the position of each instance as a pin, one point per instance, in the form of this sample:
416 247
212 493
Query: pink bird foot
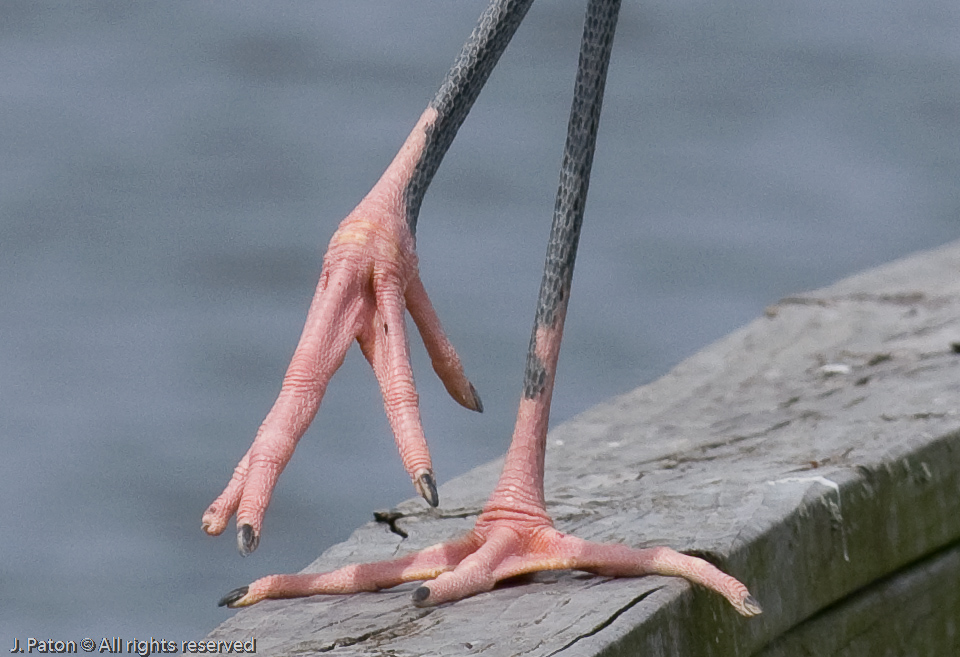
369 278
476 562
513 536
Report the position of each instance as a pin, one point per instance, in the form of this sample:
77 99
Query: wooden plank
913 612
809 454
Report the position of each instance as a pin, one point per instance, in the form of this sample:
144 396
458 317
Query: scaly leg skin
369 278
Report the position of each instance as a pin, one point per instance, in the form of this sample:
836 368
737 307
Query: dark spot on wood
390 519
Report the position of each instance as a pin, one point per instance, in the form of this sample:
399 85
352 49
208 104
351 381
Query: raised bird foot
369 278
503 544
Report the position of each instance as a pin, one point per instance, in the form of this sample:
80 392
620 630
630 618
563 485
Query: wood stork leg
514 534
369 277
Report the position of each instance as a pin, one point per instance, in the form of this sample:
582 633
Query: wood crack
389 630
607 622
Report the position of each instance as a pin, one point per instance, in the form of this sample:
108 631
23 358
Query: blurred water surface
170 173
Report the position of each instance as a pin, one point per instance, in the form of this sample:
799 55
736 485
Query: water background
170 173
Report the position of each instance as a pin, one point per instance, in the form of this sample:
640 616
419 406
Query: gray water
170 173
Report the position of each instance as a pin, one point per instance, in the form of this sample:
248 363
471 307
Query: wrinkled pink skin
369 279
369 276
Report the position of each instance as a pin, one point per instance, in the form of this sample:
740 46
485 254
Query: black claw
247 540
233 596
477 404
427 486
421 595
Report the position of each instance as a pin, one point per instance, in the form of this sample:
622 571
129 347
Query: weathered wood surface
915 611
814 454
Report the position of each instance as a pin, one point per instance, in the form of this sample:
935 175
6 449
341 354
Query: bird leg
369 278
514 534
369 272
